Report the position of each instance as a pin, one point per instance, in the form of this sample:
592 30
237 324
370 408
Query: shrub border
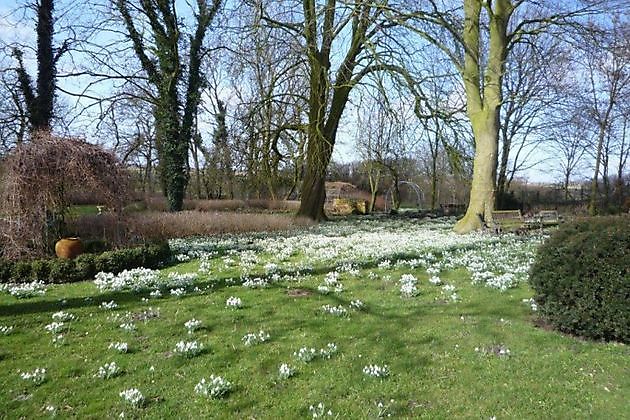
85 266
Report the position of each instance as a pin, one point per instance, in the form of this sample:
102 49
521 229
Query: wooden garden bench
507 220
548 217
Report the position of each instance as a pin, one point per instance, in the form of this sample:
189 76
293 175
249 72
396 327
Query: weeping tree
158 46
39 102
37 182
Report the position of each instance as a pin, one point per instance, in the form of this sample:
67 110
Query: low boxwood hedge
85 266
582 278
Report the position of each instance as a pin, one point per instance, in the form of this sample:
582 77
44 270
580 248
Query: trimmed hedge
582 278
85 266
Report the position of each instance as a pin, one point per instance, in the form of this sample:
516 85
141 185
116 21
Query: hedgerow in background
37 180
582 278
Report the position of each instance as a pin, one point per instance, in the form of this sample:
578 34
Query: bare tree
174 112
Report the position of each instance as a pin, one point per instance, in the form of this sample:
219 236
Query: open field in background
448 315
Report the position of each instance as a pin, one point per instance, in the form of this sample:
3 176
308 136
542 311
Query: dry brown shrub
160 225
38 179
245 205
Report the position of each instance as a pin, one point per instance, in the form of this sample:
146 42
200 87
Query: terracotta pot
68 248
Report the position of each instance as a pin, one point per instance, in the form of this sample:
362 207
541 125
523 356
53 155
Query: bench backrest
506 215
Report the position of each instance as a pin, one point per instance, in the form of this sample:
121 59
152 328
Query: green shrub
85 266
63 271
582 278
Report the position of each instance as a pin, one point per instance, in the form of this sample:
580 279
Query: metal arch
414 186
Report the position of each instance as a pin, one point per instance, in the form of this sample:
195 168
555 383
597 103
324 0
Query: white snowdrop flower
286 371
38 376
335 310
6 329
192 325
435 280
132 396
215 387
108 370
376 371
55 327
305 354
319 411
178 292
357 304
109 305
120 347
328 351
385 264
234 302
128 326
188 348
251 339
62 316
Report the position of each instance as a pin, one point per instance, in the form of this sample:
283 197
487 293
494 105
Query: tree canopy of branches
174 115
39 102
350 35
37 179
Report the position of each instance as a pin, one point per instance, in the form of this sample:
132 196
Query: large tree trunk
482 193
318 154
483 102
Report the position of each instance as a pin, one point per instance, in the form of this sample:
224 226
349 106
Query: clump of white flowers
305 354
178 292
62 316
286 371
128 326
132 396
188 348
319 410
6 329
532 304
335 310
255 283
55 327
108 370
38 376
109 305
408 286
328 351
215 387
192 325
155 294
435 280
251 339
24 290
119 347
331 284
376 371
234 302
357 304
497 350
385 264
450 291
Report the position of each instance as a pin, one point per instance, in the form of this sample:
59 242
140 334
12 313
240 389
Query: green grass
82 210
428 343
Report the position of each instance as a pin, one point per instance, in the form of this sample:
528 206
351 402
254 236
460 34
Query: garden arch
415 187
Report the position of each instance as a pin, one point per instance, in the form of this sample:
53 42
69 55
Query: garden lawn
452 348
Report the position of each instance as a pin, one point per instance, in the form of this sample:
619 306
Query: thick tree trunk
313 197
482 193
